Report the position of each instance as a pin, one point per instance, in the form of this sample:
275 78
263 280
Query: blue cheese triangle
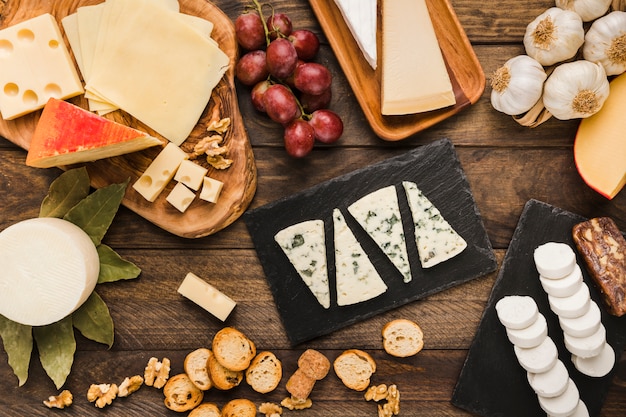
379 215
360 17
357 279
436 240
305 246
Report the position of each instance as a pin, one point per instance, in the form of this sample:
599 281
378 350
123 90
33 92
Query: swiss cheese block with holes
34 65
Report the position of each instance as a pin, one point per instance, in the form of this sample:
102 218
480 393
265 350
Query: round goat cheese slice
585 325
563 287
530 336
554 260
596 366
539 358
517 311
550 383
573 306
586 347
562 405
49 268
581 410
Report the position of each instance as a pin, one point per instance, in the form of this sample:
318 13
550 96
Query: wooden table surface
506 165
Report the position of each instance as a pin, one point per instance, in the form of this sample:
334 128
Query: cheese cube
35 65
211 189
190 174
206 296
180 197
160 172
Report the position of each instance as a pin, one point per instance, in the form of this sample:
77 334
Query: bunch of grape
286 84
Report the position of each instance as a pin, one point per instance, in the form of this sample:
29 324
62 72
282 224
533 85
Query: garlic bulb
554 36
575 89
605 42
588 10
517 85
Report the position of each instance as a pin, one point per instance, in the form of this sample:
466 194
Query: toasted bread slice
232 349
221 377
402 338
239 407
206 410
264 373
197 368
355 367
181 394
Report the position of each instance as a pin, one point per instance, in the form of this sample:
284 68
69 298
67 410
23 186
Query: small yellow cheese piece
160 172
414 74
190 174
206 296
181 197
211 189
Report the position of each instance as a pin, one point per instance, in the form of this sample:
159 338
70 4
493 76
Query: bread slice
264 373
239 407
232 349
314 364
206 410
355 367
402 338
181 394
222 378
197 368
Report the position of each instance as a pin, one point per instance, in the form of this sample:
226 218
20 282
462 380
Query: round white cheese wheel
585 325
586 347
596 366
563 287
539 358
554 260
49 268
530 336
575 305
581 410
562 405
550 383
517 311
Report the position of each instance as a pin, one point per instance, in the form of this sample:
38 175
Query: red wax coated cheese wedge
67 134
600 146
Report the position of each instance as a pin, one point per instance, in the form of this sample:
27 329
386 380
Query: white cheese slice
305 246
517 311
573 306
379 215
562 405
563 287
530 336
585 325
49 268
357 279
550 383
596 366
554 260
540 358
586 347
360 17
436 240
206 296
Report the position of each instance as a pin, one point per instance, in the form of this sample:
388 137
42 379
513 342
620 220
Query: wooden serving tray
466 74
240 179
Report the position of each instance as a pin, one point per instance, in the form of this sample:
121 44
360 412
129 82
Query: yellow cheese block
600 145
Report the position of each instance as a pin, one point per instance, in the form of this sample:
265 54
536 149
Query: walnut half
270 409
102 394
130 385
157 373
383 392
64 399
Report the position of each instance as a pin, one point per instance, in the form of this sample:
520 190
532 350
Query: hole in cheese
145 181
53 90
26 35
6 48
11 89
30 98
53 44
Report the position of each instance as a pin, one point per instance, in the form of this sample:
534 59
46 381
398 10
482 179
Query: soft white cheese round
49 268
585 325
563 287
517 311
554 260
581 410
530 336
550 383
539 358
596 366
562 405
586 347
573 306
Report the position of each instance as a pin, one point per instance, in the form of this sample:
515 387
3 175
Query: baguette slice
205 410
355 367
402 338
264 373
221 377
197 368
232 349
239 407
181 394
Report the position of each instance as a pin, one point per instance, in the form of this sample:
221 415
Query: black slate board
435 168
492 383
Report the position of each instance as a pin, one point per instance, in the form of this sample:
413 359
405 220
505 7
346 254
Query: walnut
102 394
296 403
207 143
383 392
376 393
270 409
157 373
130 385
219 162
64 399
219 126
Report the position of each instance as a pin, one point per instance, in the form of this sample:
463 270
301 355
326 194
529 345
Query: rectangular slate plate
492 383
435 168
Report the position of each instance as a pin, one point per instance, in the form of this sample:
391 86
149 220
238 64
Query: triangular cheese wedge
436 240
379 214
305 246
357 279
360 17
67 134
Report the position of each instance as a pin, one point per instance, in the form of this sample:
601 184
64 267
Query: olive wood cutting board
436 170
466 73
492 382
240 179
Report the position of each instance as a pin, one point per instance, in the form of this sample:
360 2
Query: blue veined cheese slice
360 17
436 240
379 214
305 246
357 279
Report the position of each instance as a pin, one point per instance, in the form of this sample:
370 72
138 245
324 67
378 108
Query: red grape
280 104
282 58
311 102
279 24
252 67
299 138
306 43
327 125
312 78
257 93
249 31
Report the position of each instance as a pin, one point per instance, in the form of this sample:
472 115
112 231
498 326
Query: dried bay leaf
95 212
56 345
94 321
18 343
65 192
113 267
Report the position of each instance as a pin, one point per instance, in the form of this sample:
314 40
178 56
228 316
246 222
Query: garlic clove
605 42
588 10
554 36
517 85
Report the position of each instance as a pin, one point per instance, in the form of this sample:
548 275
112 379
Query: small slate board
436 170
492 383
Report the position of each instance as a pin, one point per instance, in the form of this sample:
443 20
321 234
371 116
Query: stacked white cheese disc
579 315
527 330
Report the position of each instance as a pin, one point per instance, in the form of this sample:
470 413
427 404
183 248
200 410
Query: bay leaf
113 267
95 213
65 192
94 321
56 345
18 343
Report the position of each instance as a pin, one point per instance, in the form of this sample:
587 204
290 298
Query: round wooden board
240 179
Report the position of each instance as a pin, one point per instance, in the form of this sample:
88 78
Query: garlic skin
605 43
588 10
517 85
575 89
554 36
